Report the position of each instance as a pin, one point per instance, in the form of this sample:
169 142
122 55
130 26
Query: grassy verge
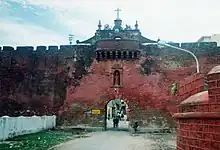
38 141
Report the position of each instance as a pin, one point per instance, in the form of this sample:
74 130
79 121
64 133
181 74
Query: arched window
113 55
119 54
130 55
116 78
97 55
108 54
103 55
124 54
135 54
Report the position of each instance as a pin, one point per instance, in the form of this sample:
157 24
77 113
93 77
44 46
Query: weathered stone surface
198 119
144 92
38 81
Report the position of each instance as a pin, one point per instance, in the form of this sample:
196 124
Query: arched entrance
116 110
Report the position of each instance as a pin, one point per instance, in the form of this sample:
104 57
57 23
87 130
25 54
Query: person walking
135 126
115 122
123 108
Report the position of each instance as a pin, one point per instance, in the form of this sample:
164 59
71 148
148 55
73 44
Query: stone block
41 48
53 48
24 50
8 48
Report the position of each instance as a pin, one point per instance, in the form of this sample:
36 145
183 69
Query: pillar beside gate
198 117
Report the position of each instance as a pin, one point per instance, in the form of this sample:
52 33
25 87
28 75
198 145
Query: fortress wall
189 86
34 78
198 117
186 87
57 54
42 57
41 47
36 75
175 44
196 45
186 45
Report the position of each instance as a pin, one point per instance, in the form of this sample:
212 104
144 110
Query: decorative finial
136 25
118 10
99 25
158 39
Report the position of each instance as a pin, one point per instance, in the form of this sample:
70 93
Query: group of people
120 115
116 122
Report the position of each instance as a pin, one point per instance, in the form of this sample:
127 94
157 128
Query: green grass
38 141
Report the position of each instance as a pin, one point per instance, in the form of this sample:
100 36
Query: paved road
109 140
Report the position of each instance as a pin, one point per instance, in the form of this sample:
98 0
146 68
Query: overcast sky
48 22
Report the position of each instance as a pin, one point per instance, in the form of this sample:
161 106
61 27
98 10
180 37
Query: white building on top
213 38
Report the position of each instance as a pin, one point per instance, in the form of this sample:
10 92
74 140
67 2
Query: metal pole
71 36
181 49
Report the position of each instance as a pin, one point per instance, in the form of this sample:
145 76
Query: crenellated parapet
194 46
41 48
41 57
28 50
36 76
203 49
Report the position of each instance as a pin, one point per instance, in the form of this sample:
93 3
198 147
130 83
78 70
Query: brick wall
190 86
186 88
198 134
214 85
35 78
198 119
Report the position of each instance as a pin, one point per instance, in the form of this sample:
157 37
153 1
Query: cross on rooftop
118 10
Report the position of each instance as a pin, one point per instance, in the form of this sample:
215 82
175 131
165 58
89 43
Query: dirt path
109 140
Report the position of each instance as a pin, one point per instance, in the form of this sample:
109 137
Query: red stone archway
105 111
96 89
